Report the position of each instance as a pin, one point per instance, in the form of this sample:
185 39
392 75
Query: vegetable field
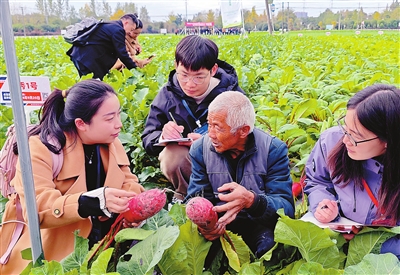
299 84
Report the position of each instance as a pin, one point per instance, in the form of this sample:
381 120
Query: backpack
8 163
79 33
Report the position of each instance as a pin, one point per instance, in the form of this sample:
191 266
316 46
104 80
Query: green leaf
290 131
268 255
304 109
256 268
132 234
51 267
175 259
125 138
368 240
316 268
187 254
158 220
313 242
231 254
77 258
27 254
147 253
178 214
99 266
375 264
73 272
306 121
291 268
237 255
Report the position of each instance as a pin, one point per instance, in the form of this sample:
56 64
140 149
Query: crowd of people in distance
211 31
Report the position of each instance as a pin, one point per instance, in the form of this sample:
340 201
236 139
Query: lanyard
374 200
191 113
384 221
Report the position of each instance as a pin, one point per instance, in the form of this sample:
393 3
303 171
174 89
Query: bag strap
58 160
17 232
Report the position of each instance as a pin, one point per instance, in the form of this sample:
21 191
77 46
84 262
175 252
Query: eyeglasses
196 79
342 124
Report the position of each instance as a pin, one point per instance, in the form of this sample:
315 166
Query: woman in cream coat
94 184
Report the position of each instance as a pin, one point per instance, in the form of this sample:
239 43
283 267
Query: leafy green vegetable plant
171 244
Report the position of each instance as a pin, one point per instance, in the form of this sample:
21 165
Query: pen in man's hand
173 119
326 206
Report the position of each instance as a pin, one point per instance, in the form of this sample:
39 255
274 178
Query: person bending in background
94 184
105 45
133 48
357 164
199 76
243 171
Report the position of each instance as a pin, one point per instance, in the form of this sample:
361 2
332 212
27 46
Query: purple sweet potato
145 205
199 211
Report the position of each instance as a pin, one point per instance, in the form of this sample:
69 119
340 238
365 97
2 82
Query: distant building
301 14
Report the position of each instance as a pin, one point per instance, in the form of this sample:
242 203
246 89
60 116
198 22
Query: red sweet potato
296 189
199 211
145 205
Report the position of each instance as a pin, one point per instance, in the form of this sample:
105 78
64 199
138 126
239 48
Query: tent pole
17 104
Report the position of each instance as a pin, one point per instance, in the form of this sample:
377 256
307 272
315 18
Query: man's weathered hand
213 234
236 198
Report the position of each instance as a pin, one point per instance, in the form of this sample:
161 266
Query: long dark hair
61 108
378 110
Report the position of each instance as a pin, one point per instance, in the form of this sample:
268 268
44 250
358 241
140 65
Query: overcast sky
159 10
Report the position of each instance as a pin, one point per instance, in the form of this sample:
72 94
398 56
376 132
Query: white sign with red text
35 90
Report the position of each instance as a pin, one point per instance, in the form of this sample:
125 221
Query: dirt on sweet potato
199 211
145 205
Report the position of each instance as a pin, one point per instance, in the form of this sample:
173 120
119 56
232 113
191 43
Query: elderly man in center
243 170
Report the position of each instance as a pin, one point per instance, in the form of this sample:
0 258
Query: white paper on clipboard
343 225
164 142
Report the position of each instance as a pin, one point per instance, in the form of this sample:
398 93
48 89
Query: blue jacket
355 204
169 99
263 168
106 45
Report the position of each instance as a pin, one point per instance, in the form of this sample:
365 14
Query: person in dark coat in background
180 107
104 47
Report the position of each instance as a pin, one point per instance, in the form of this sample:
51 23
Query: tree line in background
54 15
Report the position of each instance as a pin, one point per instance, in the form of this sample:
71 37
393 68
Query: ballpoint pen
173 119
325 206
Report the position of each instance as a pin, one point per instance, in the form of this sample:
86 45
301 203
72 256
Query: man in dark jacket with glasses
181 106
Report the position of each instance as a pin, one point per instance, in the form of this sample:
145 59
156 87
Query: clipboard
166 141
343 225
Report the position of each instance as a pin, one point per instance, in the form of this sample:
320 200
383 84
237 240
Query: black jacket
105 46
169 99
